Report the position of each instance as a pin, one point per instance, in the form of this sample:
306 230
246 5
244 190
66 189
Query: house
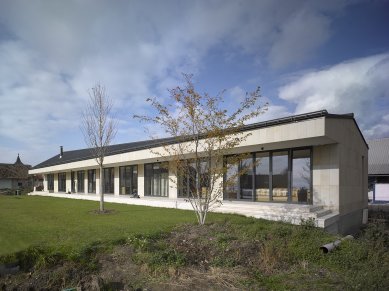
379 170
14 176
313 166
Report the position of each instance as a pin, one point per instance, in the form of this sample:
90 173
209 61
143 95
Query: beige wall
325 176
141 180
353 157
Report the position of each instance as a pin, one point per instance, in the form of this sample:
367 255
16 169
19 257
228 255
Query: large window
240 178
188 178
301 176
91 181
262 177
50 182
80 181
278 176
108 179
156 179
129 180
61 182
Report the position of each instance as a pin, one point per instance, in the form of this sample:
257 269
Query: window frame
91 174
130 182
155 176
62 182
289 176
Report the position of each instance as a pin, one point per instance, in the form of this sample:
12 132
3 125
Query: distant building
14 176
379 170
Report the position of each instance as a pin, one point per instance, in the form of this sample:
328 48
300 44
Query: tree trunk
101 190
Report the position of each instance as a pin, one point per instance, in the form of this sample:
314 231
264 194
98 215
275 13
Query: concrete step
327 220
322 213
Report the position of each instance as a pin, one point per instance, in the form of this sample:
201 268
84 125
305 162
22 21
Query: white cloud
359 86
52 52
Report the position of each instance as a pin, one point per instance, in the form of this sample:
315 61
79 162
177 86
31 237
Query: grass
165 247
34 220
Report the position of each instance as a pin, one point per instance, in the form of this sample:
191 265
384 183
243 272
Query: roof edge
171 140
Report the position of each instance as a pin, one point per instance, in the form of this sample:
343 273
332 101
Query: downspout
331 246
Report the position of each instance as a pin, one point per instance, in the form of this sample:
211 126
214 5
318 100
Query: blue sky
305 55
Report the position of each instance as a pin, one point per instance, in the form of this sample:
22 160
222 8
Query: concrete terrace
291 213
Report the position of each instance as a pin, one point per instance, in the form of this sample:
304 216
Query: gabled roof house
14 176
313 165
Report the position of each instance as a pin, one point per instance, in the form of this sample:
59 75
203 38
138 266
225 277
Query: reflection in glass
61 182
108 180
50 182
246 179
129 180
80 181
91 181
232 179
156 179
262 169
280 176
301 176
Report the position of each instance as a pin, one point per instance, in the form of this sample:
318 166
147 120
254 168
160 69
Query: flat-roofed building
312 165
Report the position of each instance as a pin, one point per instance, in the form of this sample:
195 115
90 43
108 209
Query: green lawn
34 220
259 254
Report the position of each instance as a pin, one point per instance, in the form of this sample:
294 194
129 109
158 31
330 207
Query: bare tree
99 129
204 133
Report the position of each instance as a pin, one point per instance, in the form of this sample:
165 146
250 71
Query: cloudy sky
305 55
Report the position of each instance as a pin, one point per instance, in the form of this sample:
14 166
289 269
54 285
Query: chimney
61 152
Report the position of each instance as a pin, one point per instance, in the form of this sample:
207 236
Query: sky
305 56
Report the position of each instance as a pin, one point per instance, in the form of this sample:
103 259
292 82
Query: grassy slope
30 220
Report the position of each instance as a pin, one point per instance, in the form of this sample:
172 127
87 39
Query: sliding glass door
129 180
157 179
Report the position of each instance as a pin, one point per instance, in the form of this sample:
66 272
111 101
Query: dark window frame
50 182
109 180
128 178
80 181
187 179
289 176
62 182
91 184
150 190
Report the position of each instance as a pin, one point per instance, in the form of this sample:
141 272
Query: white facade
338 156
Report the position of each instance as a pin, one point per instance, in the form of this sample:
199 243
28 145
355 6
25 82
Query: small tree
99 129
203 134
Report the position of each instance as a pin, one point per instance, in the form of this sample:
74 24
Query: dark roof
18 170
85 154
379 156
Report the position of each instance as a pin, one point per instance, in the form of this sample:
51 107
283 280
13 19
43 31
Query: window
279 176
80 181
232 178
301 176
239 178
61 182
129 180
73 182
108 179
156 179
50 182
262 177
188 178
246 179
91 181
